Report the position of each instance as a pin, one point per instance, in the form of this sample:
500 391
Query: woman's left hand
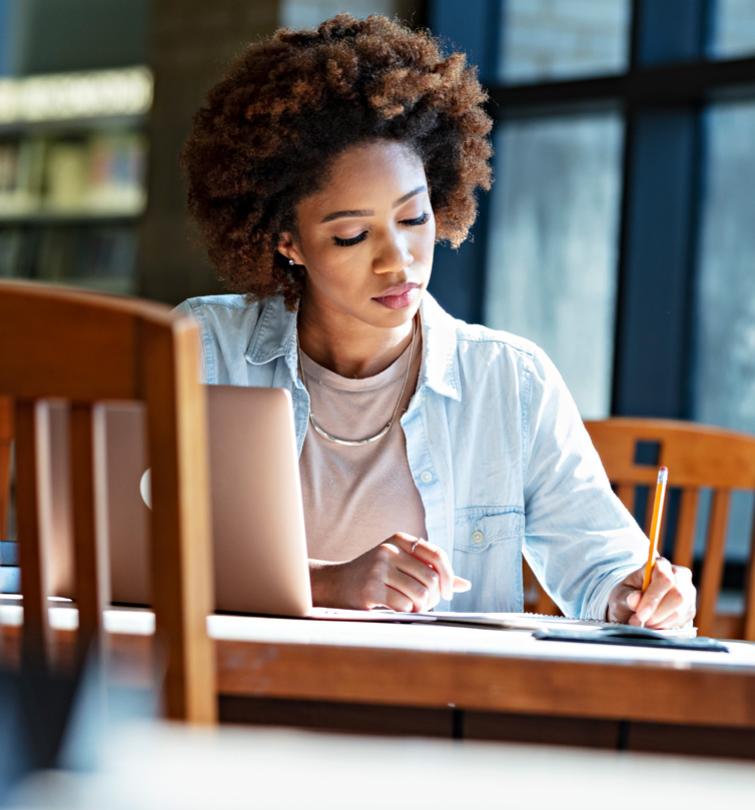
669 600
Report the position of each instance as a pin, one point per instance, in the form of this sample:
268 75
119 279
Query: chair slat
177 454
710 581
626 495
749 622
32 458
6 439
90 544
684 542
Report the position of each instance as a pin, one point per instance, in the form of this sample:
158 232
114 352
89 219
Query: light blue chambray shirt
496 448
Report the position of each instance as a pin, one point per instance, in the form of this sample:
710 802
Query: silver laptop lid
259 539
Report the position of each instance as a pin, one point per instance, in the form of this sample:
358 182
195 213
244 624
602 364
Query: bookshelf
73 155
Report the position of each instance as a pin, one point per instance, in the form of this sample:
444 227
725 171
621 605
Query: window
553 238
548 39
724 371
733 25
724 315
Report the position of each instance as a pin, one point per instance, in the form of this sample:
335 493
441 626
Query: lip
399 290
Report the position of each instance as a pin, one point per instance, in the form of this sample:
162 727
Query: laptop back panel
259 539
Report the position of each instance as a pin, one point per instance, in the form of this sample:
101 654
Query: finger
684 612
461 585
421 596
662 580
429 554
425 575
674 620
669 605
395 559
395 600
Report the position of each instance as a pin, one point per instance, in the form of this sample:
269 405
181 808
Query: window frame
668 82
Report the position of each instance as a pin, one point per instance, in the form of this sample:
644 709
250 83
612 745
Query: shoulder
480 344
474 337
221 311
227 324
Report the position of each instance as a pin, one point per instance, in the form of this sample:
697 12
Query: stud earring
291 262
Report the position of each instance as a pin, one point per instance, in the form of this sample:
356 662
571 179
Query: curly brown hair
289 105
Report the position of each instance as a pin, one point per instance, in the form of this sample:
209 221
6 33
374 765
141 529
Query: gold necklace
383 430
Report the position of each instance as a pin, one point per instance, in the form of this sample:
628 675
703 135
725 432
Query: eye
360 237
420 220
351 241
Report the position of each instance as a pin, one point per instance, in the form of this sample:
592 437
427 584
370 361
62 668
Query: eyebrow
368 212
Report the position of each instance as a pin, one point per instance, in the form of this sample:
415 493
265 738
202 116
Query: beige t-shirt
357 497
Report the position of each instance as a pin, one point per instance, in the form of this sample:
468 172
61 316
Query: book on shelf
102 174
101 258
66 172
21 176
97 257
12 245
116 173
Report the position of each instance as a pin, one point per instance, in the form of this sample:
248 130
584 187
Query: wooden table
457 681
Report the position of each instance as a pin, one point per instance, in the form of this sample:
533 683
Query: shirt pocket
488 551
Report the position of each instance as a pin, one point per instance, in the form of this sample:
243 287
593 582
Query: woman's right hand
403 573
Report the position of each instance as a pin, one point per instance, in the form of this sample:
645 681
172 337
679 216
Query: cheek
335 271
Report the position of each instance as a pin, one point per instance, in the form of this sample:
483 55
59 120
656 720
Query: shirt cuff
598 603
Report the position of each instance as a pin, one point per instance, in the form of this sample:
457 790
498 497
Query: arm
580 540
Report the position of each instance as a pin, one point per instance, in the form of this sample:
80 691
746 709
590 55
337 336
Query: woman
322 170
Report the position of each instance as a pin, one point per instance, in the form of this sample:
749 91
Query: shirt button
477 537
426 476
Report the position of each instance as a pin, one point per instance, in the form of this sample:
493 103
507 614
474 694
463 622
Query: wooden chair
85 348
698 457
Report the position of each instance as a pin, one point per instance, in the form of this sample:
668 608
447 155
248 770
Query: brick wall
191 43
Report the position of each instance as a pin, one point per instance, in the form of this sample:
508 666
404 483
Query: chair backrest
6 440
85 348
699 458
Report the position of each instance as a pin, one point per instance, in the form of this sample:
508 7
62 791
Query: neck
349 347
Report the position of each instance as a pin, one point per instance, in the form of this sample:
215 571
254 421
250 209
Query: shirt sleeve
580 540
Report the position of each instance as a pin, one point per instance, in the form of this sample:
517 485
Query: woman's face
367 238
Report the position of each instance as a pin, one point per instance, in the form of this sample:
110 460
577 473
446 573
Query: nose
394 255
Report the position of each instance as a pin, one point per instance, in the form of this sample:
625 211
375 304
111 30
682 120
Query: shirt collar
440 361
274 335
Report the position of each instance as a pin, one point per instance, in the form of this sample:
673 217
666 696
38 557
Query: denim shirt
495 444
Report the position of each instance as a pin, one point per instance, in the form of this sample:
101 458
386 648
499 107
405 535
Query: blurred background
619 234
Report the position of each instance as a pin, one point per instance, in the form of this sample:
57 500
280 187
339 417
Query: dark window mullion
458 279
659 219
665 84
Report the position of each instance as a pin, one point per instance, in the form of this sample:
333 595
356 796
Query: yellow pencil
655 524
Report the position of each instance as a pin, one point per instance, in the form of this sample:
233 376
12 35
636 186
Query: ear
288 247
